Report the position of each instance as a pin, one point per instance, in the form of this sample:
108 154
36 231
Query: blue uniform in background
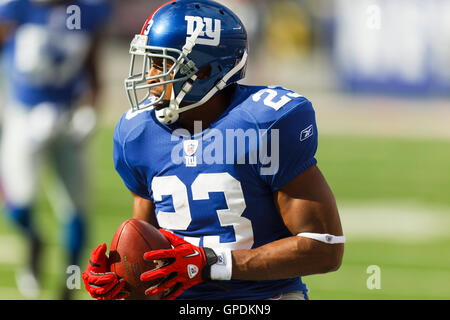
44 71
215 188
44 58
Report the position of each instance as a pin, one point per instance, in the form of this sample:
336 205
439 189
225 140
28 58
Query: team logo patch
307 133
190 148
192 270
209 35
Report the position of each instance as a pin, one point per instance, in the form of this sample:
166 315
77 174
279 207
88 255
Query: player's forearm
286 258
144 209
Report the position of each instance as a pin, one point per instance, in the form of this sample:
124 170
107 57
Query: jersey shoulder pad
268 105
132 124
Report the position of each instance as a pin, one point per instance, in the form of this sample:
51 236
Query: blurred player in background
49 50
255 226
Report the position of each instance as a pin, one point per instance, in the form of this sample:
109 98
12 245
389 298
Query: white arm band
221 270
326 238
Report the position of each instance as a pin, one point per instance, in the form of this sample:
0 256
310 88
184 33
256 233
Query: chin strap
171 114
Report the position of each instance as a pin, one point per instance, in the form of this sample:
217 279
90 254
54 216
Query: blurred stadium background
378 74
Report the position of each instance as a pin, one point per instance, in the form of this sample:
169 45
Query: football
132 239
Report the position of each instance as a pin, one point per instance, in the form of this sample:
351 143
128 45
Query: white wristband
326 238
221 270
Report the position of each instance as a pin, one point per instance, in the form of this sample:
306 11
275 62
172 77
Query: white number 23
201 187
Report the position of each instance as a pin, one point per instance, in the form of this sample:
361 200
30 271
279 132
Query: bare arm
144 209
306 204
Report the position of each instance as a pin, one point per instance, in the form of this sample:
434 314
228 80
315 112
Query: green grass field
360 170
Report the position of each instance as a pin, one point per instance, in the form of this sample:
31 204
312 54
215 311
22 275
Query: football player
49 51
226 171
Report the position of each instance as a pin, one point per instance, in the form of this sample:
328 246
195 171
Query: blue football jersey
44 58
215 187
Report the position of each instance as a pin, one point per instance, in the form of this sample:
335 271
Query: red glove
183 266
99 281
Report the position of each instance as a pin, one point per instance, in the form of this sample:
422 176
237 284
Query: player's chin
162 104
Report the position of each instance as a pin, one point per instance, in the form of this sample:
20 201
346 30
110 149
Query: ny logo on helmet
207 36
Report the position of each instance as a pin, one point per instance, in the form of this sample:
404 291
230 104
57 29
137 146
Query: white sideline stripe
409 223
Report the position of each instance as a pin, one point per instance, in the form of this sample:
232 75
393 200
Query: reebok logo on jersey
208 36
306 133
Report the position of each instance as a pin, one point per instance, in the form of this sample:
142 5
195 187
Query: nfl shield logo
190 147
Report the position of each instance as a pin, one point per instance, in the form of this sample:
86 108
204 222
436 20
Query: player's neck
207 113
